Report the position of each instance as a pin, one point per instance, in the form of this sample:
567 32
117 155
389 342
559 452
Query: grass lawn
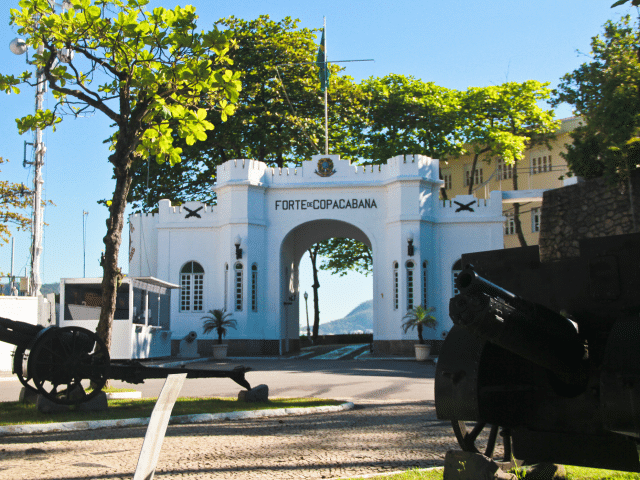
16 413
573 473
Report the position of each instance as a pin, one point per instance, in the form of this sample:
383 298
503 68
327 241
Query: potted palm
420 317
219 321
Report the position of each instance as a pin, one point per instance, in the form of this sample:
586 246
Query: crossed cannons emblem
193 213
462 207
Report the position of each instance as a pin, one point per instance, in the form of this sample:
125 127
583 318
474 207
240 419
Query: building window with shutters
396 286
540 164
424 284
226 285
535 219
254 288
504 171
509 224
191 287
410 281
238 286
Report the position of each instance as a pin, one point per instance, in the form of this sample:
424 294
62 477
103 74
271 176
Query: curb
175 420
389 474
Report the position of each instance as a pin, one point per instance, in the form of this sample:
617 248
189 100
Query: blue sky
456 44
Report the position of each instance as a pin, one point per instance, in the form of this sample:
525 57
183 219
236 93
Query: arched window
238 286
254 288
226 285
191 287
425 289
410 281
396 286
455 271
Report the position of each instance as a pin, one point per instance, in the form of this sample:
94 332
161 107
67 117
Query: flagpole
326 91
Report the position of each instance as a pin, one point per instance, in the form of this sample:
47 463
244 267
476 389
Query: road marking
341 352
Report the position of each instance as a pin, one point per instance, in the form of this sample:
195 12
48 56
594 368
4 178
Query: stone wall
587 209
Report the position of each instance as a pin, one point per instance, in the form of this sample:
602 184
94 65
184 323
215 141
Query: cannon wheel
19 371
63 357
467 438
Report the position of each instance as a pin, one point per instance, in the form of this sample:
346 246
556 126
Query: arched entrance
294 245
250 243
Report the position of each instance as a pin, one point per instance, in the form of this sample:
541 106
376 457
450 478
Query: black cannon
547 355
54 361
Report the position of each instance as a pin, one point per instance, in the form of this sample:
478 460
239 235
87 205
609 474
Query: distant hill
50 288
360 319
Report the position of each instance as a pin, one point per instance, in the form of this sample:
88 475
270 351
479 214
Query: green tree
153 74
279 117
502 122
343 254
605 92
13 199
339 256
407 115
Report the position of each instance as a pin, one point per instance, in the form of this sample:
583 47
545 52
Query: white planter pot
422 352
220 351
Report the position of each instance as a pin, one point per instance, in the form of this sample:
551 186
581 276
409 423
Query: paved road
354 380
392 427
373 438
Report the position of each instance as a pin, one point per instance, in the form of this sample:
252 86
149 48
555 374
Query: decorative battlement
328 168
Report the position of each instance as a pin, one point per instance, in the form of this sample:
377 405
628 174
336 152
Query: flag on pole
321 62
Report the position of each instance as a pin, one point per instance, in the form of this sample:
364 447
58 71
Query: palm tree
419 317
218 320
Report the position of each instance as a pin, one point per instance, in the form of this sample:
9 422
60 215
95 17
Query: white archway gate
277 214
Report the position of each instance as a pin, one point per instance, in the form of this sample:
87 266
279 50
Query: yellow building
541 168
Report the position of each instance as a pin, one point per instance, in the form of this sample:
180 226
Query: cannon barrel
17 333
529 330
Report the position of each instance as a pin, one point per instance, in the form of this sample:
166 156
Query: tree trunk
112 275
516 211
443 190
473 173
313 255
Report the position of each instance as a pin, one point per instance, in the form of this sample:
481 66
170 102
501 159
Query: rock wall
587 209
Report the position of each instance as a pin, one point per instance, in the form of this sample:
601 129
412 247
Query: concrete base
28 396
256 394
460 465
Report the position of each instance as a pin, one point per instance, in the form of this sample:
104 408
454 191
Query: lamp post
19 46
306 296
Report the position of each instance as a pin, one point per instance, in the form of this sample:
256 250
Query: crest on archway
325 167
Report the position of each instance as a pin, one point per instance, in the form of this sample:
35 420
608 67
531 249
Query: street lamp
306 296
18 46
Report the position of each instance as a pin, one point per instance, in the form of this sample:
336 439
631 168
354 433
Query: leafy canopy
13 199
605 92
148 70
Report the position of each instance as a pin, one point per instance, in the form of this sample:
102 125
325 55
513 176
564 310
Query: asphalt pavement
350 380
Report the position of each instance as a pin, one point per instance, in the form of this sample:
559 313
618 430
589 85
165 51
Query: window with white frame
509 224
191 287
477 176
254 288
504 171
396 286
238 286
424 284
455 271
535 219
226 285
541 164
410 266
446 176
